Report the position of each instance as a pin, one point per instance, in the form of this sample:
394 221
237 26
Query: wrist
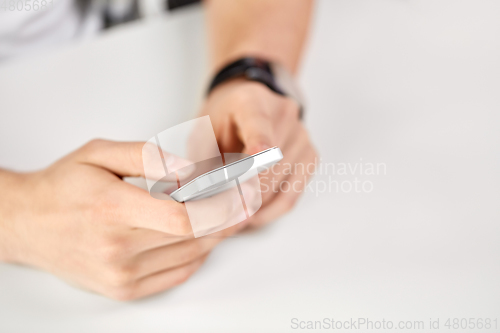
270 74
12 200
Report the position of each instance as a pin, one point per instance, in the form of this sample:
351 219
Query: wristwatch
273 75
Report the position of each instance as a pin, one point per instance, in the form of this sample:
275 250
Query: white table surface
412 84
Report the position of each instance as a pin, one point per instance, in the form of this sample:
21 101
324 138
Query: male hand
79 220
248 117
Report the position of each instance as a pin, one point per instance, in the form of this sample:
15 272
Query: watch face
228 176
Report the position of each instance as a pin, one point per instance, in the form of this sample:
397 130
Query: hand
80 221
248 117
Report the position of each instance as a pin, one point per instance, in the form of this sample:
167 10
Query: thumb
132 159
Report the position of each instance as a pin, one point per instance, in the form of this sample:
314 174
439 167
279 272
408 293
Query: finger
293 150
129 205
255 129
126 159
178 254
138 240
158 282
285 200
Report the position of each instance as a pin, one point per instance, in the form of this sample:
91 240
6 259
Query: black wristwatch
271 74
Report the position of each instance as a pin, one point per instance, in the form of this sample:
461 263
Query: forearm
272 29
10 184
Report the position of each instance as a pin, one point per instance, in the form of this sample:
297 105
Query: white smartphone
221 179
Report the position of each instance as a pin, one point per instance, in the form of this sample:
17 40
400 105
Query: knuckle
182 277
112 250
93 145
179 223
134 155
96 142
120 277
191 251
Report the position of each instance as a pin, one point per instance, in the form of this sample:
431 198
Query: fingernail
182 166
186 171
258 148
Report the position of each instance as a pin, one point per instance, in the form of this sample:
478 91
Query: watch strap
253 69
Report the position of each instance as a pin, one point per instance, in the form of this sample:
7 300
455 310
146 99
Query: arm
274 30
246 115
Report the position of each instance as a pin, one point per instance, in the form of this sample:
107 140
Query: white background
412 84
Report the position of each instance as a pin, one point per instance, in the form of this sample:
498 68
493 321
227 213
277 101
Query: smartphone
221 179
